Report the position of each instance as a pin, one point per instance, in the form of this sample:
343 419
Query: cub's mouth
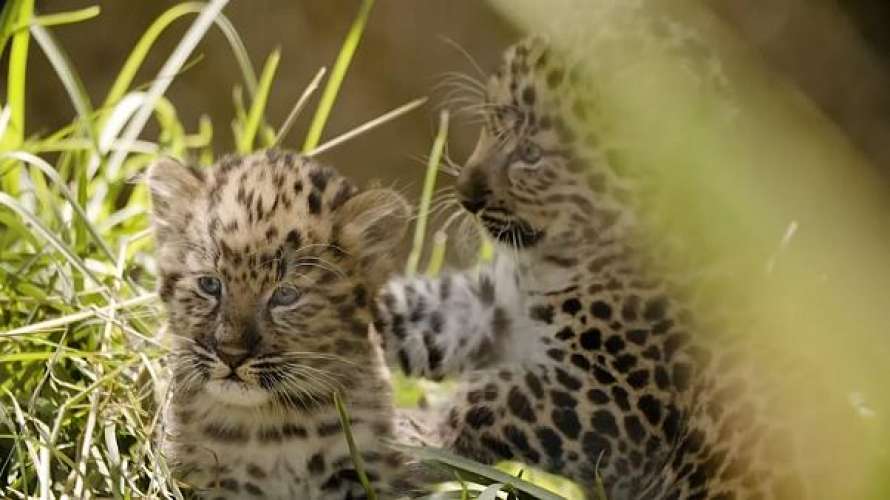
511 231
237 392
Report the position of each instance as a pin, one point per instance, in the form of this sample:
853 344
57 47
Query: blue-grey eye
210 285
530 152
284 296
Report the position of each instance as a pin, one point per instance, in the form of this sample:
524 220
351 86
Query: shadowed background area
837 53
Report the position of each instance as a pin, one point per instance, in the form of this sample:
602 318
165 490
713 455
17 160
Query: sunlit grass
426 196
338 74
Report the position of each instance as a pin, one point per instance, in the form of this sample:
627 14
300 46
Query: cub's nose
472 190
233 345
472 205
232 356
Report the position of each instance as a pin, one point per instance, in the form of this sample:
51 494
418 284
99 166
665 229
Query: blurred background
835 52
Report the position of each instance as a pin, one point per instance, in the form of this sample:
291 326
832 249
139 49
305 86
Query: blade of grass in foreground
20 11
367 126
50 238
59 18
59 322
185 47
437 253
8 21
338 73
350 442
71 81
298 107
490 492
140 50
255 114
53 176
476 472
429 183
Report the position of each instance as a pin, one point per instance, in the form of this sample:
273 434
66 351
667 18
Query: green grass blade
368 126
137 56
174 131
53 176
600 488
298 107
48 235
66 73
338 73
477 472
353 451
486 249
31 356
248 73
60 18
446 495
429 183
258 106
179 56
22 11
16 228
437 253
491 492
20 454
8 18
42 472
5 113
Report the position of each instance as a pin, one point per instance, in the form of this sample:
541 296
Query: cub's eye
284 296
210 285
530 152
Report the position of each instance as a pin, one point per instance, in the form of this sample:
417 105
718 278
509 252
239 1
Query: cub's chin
237 393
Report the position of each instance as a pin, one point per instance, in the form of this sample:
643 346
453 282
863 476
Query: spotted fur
267 264
575 355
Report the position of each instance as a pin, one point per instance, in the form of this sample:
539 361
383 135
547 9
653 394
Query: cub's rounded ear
371 226
174 188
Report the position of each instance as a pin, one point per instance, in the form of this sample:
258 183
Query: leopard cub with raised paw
574 354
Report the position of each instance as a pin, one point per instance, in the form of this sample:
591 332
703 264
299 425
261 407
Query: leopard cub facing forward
266 266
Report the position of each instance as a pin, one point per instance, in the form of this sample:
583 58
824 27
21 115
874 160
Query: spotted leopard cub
575 355
267 263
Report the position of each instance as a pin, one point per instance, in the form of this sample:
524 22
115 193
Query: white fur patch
232 392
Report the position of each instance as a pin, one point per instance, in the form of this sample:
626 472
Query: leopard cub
266 265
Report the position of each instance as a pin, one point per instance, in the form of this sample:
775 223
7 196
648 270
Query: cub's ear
174 189
372 224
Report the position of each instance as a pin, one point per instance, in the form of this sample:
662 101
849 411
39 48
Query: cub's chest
299 467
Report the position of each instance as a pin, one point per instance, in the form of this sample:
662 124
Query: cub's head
537 176
266 264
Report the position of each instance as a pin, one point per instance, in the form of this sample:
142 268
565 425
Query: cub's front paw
407 319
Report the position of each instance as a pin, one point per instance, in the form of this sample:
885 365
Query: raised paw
438 327
407 319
